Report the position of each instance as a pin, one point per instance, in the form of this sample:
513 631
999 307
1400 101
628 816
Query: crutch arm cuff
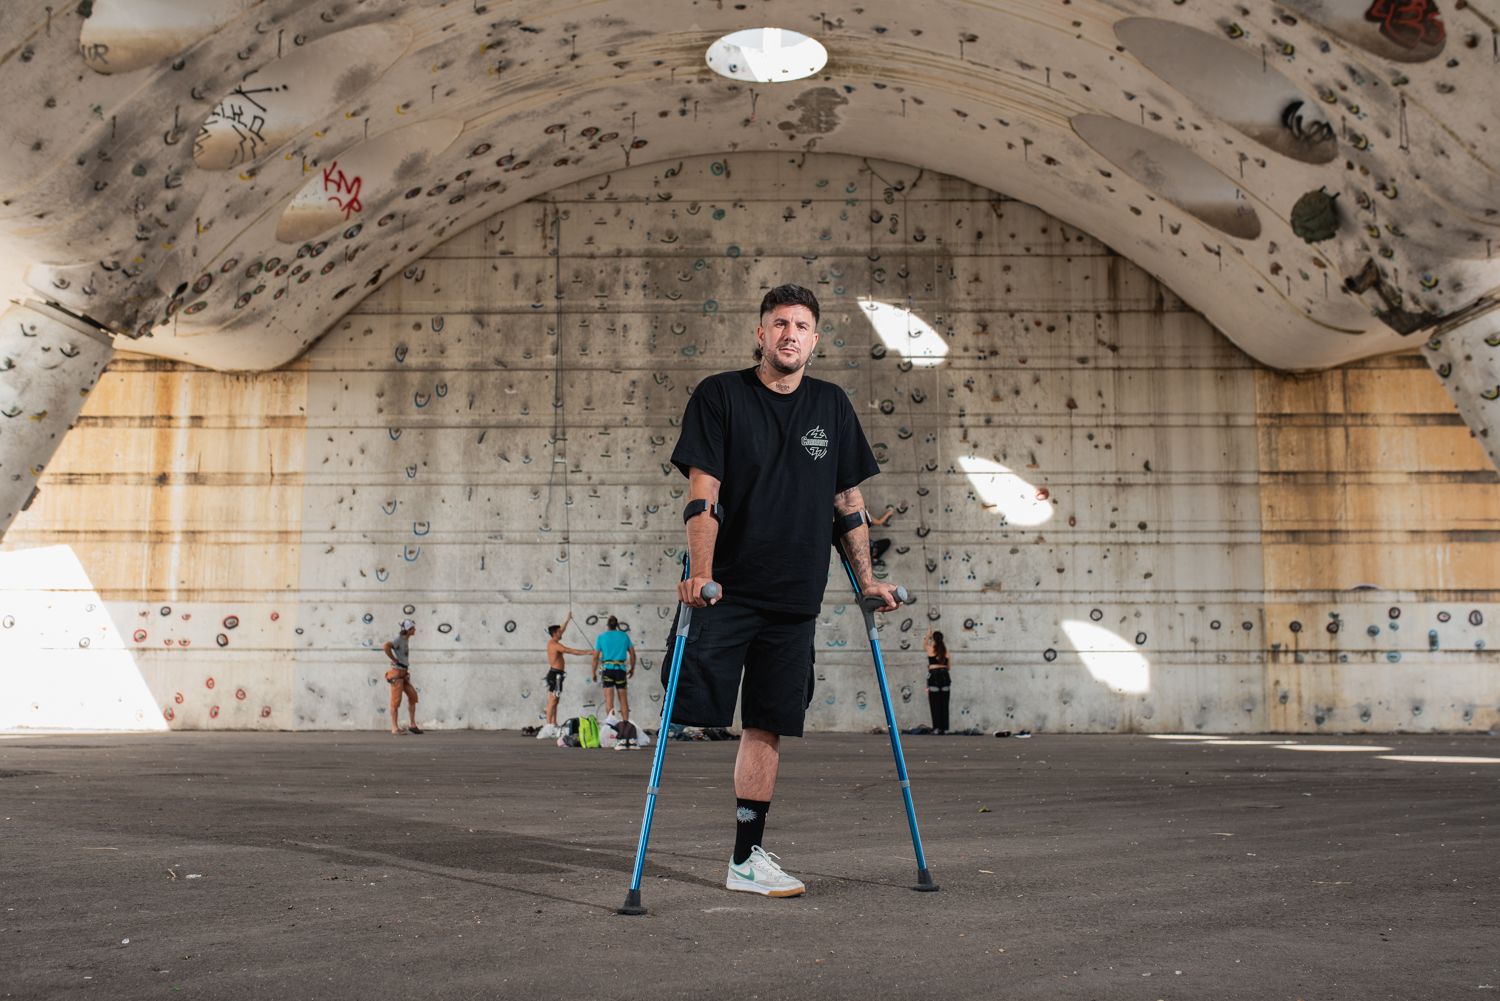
846 523
697 507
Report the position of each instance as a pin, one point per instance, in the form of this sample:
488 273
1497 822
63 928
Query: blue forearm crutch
868 605
632 903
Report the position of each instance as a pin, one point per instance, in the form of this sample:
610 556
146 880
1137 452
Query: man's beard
777 364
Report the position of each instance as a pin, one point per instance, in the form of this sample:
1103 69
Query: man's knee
758 736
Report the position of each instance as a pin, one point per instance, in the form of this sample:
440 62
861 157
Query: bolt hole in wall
1114 516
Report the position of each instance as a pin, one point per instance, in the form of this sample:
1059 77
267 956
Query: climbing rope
560 410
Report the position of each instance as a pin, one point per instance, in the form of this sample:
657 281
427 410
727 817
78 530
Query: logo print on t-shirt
816 442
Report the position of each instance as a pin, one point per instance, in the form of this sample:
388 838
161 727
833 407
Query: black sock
749 827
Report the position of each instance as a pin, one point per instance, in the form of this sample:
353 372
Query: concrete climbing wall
1467 359
49 362
1119 521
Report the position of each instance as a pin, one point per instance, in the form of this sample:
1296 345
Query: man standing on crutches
771 455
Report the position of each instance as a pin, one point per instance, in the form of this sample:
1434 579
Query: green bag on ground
588 731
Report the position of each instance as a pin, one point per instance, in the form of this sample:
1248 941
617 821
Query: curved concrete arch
101 187
1025 165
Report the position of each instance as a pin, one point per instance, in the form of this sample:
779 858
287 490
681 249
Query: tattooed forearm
856 542
848 501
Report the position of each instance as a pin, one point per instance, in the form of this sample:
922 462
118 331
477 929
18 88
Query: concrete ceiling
220 181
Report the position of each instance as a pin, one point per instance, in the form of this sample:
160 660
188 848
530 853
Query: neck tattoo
777 379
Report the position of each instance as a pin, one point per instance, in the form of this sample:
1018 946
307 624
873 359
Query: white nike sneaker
760 873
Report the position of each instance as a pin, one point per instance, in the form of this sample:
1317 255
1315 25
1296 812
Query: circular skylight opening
766 55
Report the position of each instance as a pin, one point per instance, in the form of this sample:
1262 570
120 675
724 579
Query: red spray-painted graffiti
342 189
1408 23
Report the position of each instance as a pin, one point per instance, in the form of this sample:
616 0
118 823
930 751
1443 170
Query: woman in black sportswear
938 680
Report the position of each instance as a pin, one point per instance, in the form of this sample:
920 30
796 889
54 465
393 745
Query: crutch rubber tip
632 903
924 882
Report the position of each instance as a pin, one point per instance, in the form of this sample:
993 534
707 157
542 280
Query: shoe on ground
762 874
415 729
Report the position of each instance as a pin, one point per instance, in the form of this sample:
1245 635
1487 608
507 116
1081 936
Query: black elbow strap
849 522
697 507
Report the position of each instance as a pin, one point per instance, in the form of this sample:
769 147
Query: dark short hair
614 623
787 295
552 629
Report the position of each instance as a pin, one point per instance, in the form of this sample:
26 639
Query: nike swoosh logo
747 874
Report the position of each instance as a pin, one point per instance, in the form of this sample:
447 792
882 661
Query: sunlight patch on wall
905 333
63 663
1017 501
1112 660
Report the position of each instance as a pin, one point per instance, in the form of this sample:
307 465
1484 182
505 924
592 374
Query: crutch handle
711 591
870 603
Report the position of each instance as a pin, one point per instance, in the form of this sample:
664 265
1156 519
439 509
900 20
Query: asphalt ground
489 865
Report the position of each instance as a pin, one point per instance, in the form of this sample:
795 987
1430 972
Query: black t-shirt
779 458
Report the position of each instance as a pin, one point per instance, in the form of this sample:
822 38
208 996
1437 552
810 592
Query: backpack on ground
588 731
